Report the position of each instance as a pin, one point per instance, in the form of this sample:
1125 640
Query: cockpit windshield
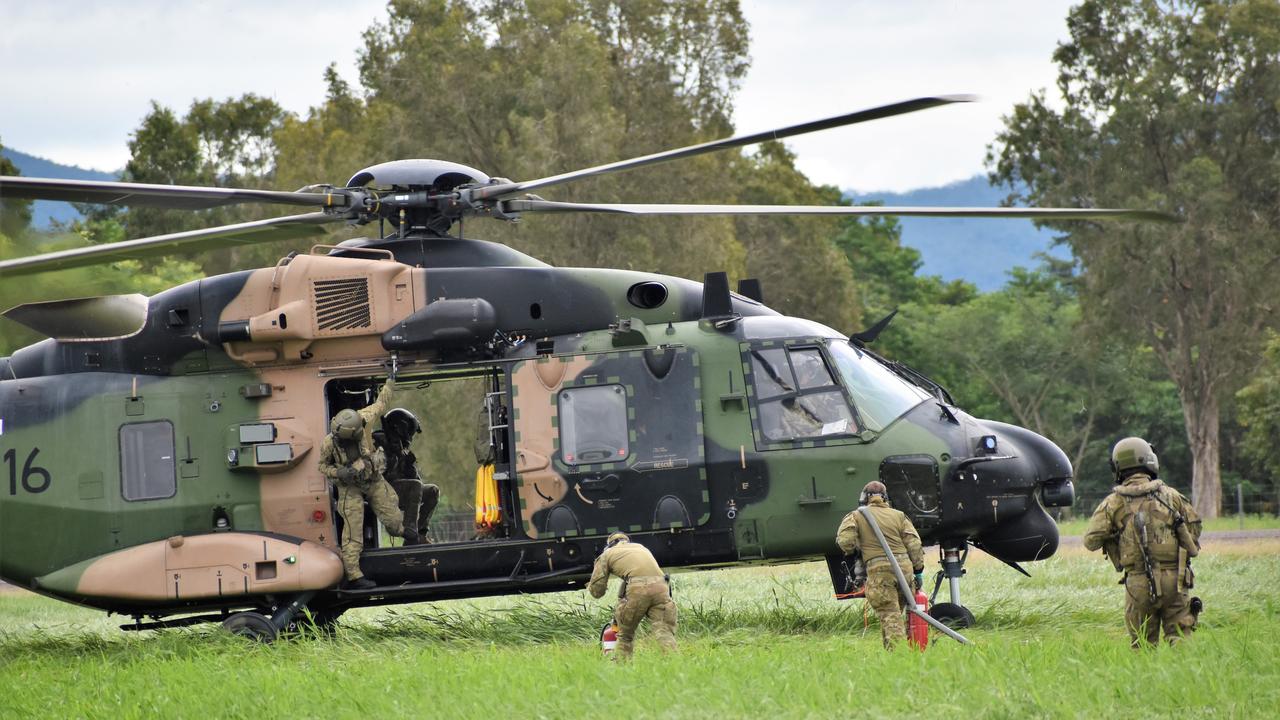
879 394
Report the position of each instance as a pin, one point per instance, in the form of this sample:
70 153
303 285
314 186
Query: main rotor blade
177 197
900 108
248 233
518 206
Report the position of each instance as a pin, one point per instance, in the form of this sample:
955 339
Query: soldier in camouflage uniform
644 592
855 535
350 460
1150 532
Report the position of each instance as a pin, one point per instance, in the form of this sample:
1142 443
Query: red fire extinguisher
917 628
608 637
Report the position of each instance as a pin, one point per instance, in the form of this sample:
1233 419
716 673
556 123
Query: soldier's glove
919 578
346 474
359 466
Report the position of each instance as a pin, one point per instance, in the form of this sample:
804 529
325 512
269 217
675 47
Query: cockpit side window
772 373
798 398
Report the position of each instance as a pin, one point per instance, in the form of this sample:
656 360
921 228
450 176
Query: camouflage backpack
1161 541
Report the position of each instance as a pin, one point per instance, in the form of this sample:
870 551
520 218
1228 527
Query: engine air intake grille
342 304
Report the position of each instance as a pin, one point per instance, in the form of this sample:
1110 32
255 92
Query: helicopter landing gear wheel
252 625
952 615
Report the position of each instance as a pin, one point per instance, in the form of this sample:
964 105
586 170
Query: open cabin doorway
462 418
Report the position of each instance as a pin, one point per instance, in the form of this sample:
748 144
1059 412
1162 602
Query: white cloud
815 59
80 76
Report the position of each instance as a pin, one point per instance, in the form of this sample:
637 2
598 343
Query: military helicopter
159 449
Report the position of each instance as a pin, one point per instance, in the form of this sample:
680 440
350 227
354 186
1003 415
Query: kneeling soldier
644 592
350 460
855 534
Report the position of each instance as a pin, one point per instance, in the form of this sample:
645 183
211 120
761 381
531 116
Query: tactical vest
1162 542
346 453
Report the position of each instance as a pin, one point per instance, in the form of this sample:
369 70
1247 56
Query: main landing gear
265 628
952 613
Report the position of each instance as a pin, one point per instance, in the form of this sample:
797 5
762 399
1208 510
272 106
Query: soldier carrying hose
856 534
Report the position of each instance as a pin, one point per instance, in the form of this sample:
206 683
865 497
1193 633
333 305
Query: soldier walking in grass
645 592
350 460
1150 532
855 535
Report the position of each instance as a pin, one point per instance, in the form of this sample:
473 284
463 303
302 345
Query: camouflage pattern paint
238 370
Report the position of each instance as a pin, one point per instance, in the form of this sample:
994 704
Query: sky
80 75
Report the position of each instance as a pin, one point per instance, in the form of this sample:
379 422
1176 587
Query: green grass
755 642
1076 525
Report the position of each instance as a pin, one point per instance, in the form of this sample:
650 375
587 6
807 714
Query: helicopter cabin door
609 442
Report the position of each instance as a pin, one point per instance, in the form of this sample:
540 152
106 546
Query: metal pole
907 595
1240 503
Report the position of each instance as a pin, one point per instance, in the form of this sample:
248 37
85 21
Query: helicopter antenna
870 334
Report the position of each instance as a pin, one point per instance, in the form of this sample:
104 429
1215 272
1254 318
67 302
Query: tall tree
228 143
528 89
1170 106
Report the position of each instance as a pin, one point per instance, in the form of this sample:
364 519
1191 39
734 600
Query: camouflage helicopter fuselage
158 453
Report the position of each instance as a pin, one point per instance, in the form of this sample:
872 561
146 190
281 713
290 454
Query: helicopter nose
1048 462
1028 463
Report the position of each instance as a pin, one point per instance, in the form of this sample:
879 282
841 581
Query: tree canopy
1170 106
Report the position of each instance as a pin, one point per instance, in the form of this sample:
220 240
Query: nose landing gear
953 614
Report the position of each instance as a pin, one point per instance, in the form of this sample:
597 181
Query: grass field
1076 525
755 642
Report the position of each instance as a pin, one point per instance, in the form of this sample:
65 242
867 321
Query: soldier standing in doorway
350 460
1150 532
855 535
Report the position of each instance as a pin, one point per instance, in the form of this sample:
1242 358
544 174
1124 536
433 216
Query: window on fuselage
798 397
593 424
147 467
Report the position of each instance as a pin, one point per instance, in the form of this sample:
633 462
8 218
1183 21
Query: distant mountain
980 250
44 212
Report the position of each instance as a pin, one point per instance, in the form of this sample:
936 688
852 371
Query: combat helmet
617 538
347 424
875 487
1133 453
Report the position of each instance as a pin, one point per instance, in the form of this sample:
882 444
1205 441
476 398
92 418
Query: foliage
230 143
1260 411
1172 107
799 268
15 215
